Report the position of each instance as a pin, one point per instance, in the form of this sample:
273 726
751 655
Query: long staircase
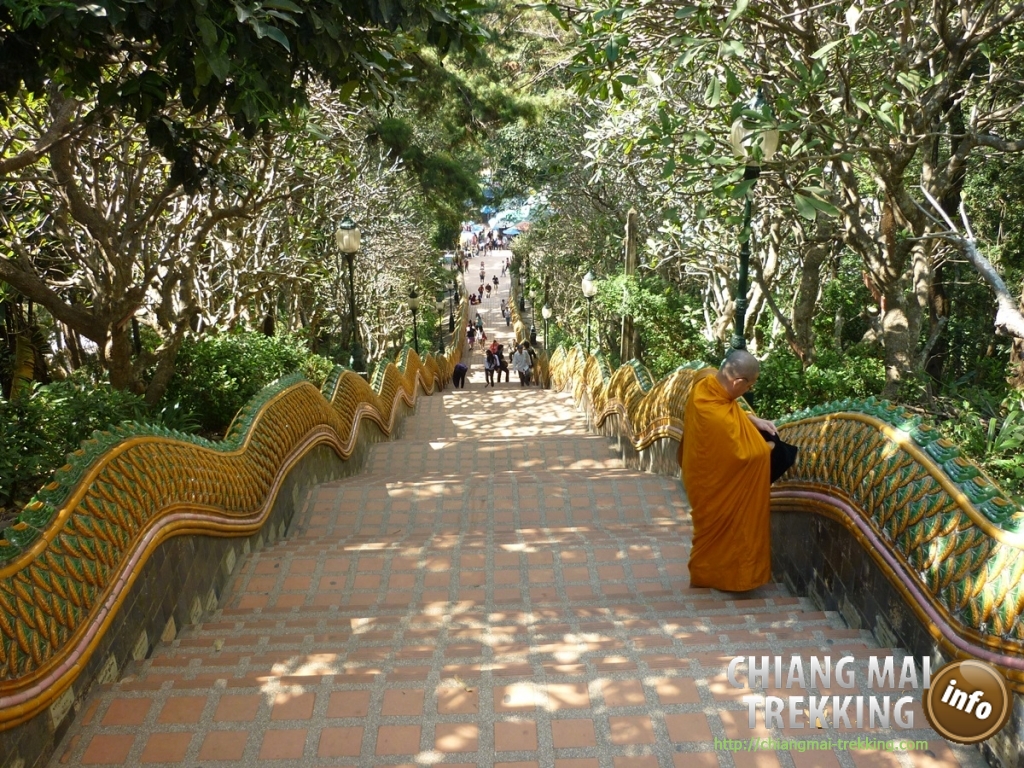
494 589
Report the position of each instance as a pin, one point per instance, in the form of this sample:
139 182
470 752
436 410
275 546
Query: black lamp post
522 298
439 306
589 292
347 238
752 146
414 304
546 312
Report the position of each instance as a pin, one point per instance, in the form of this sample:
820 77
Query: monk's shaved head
740 364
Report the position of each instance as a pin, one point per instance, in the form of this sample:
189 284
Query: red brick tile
515 736
677 690
938 755
398 740
90 711
72 745
223 745
456 737
182 709
348 704
458 701
688 727
614 664
874 759
519 697
331 583
283 744
737 726
610 573
340 742
126 712
235 708
573 733
166 748
108 749
407 702
636 729
567 696
755 760
814 759
623 693
293 706
641 761
695 760
577 762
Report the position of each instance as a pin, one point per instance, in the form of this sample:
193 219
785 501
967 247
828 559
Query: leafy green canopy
251 59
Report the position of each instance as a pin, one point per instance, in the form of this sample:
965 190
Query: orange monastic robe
726 470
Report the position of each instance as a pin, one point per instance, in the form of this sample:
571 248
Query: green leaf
345 91
713 94
827 208
740 190
220 64
275 34
208 30
686 12
805 207
202 66
611 51
739 8
732 83
282 5
823 51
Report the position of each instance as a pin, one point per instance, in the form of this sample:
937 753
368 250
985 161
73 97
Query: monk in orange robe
726 470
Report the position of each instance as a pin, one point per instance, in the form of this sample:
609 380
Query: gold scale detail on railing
136 487
944 534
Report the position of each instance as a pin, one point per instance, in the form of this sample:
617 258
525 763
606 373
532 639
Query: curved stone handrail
68 563
950 541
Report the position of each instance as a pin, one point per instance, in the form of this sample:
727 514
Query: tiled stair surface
495 589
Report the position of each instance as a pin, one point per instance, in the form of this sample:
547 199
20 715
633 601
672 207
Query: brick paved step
495 589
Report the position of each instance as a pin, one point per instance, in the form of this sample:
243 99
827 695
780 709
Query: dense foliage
38 430
217 375
155 213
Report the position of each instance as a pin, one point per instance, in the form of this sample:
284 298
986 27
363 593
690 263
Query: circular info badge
968 701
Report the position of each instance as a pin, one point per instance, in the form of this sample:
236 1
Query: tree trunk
1016 378
166 354
74 346
805 303
120 360
921 282
939 305
938 309
896 341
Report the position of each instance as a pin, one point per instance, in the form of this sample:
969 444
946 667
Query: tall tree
867 99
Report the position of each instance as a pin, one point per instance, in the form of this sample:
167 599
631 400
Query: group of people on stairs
495 362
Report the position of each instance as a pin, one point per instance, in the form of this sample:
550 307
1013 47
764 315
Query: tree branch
82 320
59 130
1008 321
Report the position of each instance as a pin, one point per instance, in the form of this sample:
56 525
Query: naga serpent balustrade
947 538
68 563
